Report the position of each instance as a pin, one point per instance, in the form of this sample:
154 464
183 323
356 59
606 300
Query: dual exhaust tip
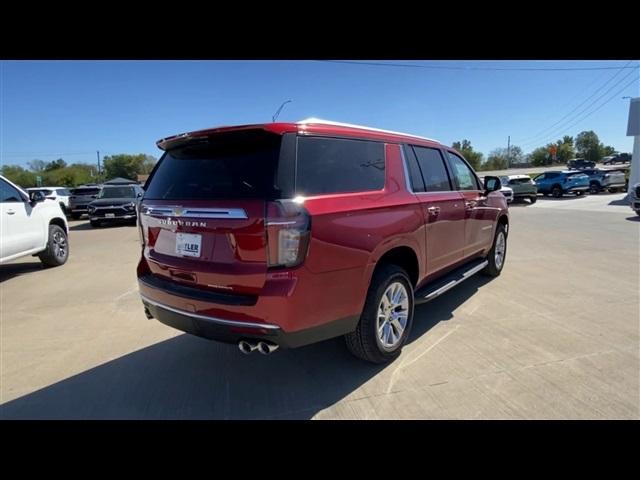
264 348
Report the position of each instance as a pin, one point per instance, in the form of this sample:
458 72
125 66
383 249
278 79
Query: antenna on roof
275 115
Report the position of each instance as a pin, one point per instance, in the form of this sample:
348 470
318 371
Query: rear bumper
232 331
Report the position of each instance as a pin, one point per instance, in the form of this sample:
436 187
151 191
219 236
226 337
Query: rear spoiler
174 141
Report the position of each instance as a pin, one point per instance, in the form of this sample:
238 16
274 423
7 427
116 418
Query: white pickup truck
31 225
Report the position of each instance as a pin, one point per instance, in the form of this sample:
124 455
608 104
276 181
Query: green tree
540 157
128 166
19 175
36 165
565 149
467 151
608 150
588 146
55 165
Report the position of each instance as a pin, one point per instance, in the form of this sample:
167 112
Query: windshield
117 192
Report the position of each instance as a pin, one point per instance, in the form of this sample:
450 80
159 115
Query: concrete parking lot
556 336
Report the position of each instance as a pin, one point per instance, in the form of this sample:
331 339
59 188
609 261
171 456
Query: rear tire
366 342
613 190
533 199
556 192
57 250
496 261
594 188
95 223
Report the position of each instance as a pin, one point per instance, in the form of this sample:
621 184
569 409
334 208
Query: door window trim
406 170
473 172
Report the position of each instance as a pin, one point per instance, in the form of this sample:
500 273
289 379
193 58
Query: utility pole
509 151
98 152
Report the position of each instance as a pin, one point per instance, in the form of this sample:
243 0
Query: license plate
188 244
109 215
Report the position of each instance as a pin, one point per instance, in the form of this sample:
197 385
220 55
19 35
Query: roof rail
313 120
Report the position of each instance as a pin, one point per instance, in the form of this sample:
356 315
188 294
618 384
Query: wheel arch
59 222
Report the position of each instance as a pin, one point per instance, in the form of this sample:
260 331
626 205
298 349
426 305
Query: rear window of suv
232 165
332 165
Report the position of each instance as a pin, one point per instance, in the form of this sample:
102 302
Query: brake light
288 227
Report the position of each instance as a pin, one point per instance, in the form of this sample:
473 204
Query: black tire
57 250
556 191
594 188
579 193
533 199
493 269
76 216
613 190
95 223
363 341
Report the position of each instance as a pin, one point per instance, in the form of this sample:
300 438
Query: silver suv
635 198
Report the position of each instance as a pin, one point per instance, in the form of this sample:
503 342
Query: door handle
11 212
433 210
470 205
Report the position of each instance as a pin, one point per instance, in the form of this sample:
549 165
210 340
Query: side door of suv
19 232
442 205
480 218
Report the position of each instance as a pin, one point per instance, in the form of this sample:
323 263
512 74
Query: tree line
586 145
60 174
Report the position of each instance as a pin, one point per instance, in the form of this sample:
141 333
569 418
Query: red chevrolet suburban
286 234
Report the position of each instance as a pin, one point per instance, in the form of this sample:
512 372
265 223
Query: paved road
556 336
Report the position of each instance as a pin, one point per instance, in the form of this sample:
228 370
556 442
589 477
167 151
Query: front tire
498 253
57 250
594 188
386 318
533 199
556 192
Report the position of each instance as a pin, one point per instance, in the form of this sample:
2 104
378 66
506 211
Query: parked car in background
634 195
286 234
522 185
59 194
80 199
115 203
617 158
31 225
558 183
504 190
599 180
578 163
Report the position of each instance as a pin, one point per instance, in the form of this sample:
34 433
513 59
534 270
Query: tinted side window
433 169
464 178
330 165
8 193
415 177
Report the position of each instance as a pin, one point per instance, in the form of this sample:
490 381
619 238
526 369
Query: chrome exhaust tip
266 348
246 347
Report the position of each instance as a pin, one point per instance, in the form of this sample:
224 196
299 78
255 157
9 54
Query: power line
544 131
565 127
452 67
602 105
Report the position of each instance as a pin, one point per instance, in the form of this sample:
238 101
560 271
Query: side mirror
36 197
491 184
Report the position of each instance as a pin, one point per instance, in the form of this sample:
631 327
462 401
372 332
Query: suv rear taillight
288 227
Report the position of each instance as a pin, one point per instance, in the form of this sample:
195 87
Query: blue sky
70 109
